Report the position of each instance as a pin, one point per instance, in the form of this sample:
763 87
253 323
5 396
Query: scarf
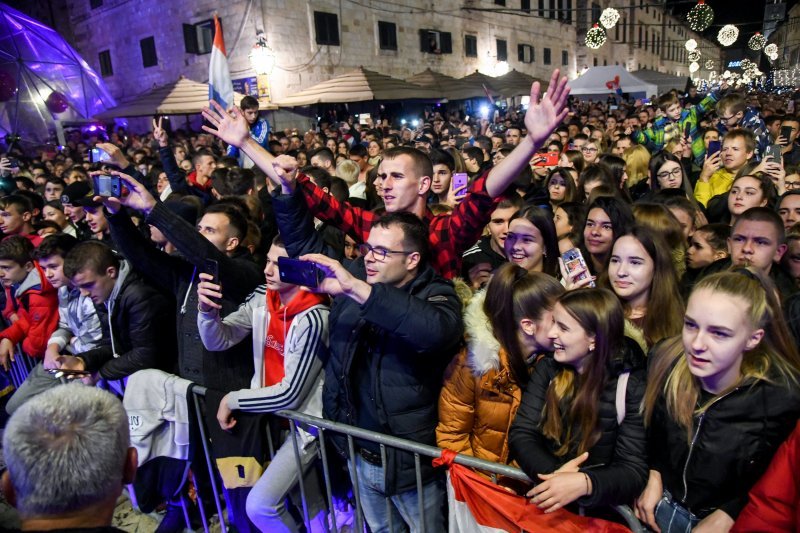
280 320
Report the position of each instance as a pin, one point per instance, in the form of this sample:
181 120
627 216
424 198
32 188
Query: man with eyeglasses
394 326
733 113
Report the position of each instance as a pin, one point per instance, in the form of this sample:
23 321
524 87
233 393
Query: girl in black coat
719 402
570 432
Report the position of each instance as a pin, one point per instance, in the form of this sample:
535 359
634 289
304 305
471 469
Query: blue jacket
259 132
752 121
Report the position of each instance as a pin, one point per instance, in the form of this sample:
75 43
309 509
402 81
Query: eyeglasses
589 149
677 172
792 185
726 119
378 253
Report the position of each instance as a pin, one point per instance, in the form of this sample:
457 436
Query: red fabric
449 235
192 180
280 320
37 320
493 506
775 500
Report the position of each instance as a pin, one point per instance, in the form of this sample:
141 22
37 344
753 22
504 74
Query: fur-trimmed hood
483 350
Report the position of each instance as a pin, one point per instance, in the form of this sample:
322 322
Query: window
94 4
525 5
470 46
327 28
541 8
568 12
625 30
199 38
546 56
502 50
616 32
500 2
595 62
595 12
640 35
387 35
564 58
149 57
435 42
105 64
553 14
525 53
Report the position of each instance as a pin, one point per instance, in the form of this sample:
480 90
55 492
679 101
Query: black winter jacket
617 464
230 369
420 329
142 330
731 445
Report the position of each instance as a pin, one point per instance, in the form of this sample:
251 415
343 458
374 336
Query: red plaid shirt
449 235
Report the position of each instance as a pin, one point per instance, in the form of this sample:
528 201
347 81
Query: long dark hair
513 294
542 220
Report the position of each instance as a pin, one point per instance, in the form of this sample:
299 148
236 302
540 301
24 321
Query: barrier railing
351 433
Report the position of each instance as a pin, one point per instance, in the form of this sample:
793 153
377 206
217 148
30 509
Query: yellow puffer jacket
479 398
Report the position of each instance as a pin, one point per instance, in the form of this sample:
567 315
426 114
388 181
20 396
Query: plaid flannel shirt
449 235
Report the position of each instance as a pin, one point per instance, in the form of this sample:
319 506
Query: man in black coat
395 325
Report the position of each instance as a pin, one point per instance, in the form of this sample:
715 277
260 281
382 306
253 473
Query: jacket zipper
694 439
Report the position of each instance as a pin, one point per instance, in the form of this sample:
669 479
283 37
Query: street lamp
262 57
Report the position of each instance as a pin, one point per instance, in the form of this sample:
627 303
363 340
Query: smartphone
460 180
573 260
774 150
299 272
645 101
58 373
613 108
687 129
107 186
14 162
211 267
98 155
786 132
550 159
363 119
713 148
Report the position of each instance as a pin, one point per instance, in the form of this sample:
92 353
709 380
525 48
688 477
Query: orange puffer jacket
479 398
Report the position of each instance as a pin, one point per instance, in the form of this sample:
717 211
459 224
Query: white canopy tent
665 82
594 83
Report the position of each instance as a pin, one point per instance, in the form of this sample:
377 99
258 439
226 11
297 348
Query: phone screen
459 180
714 147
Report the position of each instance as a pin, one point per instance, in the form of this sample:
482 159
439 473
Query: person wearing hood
483 385
141 327
578 431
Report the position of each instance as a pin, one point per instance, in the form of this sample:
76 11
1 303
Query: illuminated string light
757 41
595 37
728 35
709 64
771 49
691 45
694 67
693 56
609 17
700 16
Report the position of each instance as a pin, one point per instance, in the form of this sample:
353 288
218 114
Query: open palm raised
545 114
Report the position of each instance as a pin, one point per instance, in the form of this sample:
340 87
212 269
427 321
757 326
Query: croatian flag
220 87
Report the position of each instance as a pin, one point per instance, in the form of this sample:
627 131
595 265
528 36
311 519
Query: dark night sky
748 15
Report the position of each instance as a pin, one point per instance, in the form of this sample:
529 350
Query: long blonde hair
637 164
774 358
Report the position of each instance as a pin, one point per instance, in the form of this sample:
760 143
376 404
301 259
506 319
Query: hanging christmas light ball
771 49
694 67
609 17
757 41
709 64
690 45
595 37
694 55
746 64
700 16
773 57
728 35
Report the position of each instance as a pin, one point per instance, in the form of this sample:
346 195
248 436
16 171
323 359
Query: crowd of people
602 294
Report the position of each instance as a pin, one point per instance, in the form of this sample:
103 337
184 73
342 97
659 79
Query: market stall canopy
600 82
183 97
665 82
516 83
360 85
481 80
448 87
42 79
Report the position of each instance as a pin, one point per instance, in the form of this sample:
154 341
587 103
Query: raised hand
545 114
208 294
160 134
338 281
118 159
230 126
284 173
134 195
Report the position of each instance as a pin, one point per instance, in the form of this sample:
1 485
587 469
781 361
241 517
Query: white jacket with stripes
305 352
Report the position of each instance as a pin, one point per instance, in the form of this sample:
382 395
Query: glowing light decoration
746 64
262 57
700 16
609 17
694 67
728 35
693 56
757 41
771 49
709 64
595 37
691 45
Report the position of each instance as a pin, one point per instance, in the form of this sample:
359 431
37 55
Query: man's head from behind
16 259
93 268
68 453
396 249
405 175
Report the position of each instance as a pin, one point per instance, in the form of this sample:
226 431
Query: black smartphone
299 272
713 148
687 129
786 132
107 186
775 151
211 267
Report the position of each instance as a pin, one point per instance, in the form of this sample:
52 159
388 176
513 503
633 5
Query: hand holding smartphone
297 272
574 263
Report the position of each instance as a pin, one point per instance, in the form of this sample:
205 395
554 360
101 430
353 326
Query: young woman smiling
719 401
606 219
750 190
569 432
531 241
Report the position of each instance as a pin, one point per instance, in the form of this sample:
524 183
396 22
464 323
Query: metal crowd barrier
20 367
351 433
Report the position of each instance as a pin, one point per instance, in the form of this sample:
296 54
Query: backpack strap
622 389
